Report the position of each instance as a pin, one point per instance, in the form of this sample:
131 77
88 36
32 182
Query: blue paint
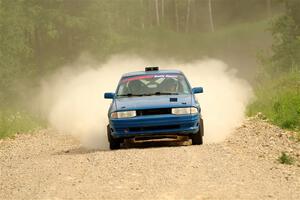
154 124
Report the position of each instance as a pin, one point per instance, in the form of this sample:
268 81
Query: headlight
194 110
184 111
123 114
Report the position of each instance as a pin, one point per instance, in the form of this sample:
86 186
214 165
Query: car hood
150 102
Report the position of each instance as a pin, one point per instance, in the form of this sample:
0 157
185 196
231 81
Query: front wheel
197 139
113 143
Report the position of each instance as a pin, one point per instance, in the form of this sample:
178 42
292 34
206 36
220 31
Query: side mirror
197 90
109 95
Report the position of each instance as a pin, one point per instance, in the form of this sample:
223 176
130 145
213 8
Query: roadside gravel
47 165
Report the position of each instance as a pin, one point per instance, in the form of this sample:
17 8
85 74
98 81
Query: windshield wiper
164 93
130 95
150 94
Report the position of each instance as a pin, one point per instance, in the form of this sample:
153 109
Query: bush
285 159
12 122
279 100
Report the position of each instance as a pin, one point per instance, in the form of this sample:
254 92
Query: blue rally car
154 104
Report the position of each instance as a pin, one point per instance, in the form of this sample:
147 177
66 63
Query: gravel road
51 166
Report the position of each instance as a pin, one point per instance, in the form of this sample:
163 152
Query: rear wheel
113 143
197 139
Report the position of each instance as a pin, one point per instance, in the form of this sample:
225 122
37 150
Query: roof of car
152 72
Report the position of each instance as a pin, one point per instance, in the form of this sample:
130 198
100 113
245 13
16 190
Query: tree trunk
149 17
176 16
188 14
157 13
143 16
269 8
212 26
162 9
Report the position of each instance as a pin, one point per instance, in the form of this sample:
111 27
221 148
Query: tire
113 143
197 139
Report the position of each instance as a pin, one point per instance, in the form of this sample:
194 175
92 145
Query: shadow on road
155 143
129 145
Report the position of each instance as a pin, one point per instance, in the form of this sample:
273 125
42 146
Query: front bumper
166 124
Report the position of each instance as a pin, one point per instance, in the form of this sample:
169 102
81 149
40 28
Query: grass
13 121
279 100
286 159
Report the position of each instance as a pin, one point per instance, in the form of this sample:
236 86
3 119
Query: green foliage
279 100
284 158
287 44
278 88
286 34
14 121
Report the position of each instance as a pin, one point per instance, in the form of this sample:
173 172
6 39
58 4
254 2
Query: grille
160 111
154 128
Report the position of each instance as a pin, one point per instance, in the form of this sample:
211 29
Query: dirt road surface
50 166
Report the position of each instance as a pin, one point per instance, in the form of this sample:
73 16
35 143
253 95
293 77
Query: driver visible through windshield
158 84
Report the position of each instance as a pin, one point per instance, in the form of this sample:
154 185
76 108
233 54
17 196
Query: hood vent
173 99
159 111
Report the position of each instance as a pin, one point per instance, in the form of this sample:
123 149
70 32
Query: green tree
286 33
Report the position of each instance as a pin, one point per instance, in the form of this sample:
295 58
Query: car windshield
157 84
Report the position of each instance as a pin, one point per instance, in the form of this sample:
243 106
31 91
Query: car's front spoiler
155 125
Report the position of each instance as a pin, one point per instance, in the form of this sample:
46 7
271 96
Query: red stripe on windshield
137 78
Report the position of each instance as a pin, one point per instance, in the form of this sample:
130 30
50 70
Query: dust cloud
73 98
